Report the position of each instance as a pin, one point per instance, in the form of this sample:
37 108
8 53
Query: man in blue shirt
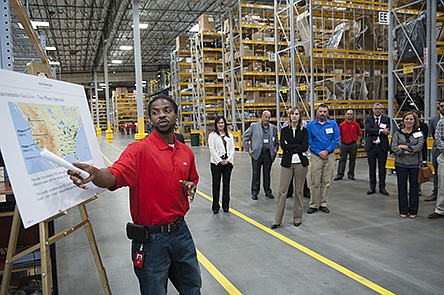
323 138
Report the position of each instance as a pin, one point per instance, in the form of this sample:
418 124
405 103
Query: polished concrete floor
361 247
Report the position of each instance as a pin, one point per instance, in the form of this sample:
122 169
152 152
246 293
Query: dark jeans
265 161
168 256
408 204
351 150
217 172
376 153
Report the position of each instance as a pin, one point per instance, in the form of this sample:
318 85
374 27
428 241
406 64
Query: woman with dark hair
221 144
407 145
294 165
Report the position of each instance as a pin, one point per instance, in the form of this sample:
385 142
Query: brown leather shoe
430 198
435 215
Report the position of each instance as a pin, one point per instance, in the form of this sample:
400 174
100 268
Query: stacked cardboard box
182 42
207 23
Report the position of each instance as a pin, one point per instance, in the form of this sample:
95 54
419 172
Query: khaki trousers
321 172
299 173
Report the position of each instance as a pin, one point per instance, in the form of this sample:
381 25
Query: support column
98 129
109 132
391 80
138 65
431 80
5 36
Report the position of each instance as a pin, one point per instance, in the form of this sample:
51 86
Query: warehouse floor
361 247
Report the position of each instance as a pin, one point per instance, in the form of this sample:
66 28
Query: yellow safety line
231 289
225 283
111 145
309 252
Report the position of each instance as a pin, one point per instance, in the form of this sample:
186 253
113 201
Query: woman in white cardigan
221 144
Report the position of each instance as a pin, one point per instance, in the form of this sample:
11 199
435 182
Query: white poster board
35 113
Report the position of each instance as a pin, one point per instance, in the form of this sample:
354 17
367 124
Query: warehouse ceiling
80 30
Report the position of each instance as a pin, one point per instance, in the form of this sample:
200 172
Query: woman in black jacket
294 164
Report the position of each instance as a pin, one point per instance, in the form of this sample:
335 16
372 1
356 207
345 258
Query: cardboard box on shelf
121 90
208 69
182 42
258 36
248 52
207 23
248 83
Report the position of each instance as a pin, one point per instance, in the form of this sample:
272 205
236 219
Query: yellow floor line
223 281
231 289
309 252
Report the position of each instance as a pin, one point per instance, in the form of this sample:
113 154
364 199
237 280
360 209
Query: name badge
382 126
417 134
329 130
265 140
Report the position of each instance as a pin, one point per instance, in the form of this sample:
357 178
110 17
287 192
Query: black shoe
215 210
307 195
296 224
254 197
337 178
324 209
383 191
226 209
270 196
351 178
274 226
311 210
371 192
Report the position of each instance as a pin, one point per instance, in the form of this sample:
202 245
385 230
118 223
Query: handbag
424 175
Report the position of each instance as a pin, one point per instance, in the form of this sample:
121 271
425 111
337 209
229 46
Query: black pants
435 155
376 153
408 202
217 172
265 161
306 189
351 150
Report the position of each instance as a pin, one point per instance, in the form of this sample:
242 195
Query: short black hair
322 106
167 98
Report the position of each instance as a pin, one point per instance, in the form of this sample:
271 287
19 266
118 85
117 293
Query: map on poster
57 128
43 113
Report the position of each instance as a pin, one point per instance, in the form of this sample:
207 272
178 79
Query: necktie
375 137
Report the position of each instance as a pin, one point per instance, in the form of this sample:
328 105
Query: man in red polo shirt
161 174
351 136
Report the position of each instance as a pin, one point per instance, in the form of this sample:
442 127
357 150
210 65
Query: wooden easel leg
95 250
45 258
12 244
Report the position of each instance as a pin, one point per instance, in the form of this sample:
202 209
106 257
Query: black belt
353 142
166 228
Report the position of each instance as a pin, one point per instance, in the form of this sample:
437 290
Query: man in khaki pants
323 138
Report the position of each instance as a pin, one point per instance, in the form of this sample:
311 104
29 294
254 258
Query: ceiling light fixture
117 61
126 47
50 48
54 63
35 24
141 26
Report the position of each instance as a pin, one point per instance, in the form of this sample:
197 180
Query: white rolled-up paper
61 162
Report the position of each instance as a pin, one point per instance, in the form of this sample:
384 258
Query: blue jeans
170 256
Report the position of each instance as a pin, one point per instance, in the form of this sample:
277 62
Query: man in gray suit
261 142
435 151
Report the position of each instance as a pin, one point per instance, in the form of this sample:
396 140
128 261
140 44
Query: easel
45 243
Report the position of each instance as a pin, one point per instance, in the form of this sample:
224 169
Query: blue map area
32 137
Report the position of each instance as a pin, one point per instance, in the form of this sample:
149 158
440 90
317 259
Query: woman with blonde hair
294 164
407 145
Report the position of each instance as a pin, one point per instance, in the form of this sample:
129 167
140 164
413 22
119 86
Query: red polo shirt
152 170
349 131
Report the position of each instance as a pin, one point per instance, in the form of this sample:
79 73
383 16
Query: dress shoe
270 196
296 224
311 210
324 209
215 210
371 192
226 209
337 178
351 178
430 198
274 226
435 215
383 191
254 197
